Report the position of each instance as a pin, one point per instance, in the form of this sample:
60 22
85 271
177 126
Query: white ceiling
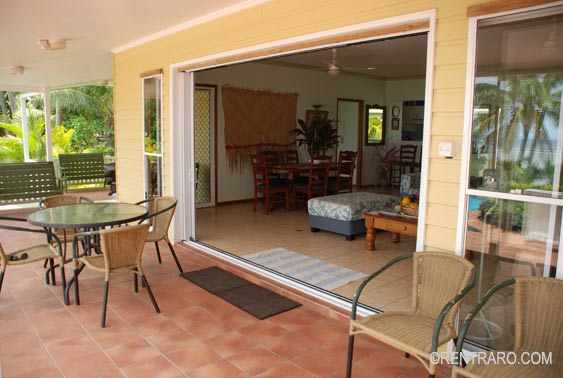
403 57
92 27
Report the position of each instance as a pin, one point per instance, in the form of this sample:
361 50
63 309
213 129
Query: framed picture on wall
395 123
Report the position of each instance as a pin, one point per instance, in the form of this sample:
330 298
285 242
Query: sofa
344 213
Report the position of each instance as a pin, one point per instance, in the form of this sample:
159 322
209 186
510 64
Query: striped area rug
308 269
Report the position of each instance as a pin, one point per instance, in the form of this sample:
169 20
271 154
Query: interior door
204 134
349 115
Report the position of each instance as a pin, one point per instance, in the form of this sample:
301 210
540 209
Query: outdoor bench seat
82 169
344 213
27 182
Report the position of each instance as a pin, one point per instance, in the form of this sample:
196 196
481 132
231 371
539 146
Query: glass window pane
506 239
153 176
152 103
517 140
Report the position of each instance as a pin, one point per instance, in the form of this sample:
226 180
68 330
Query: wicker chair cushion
35 253
404 331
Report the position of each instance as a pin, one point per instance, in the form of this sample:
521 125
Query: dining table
292 170
87 217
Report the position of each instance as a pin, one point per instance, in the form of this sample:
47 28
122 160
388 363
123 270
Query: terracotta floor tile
324 331
132 353
230 343
91 366
289 345
256 360
294 319
19 343
207 329
43 306
171 339
222 368
32 359
155 324
263 331
360 372
286 370
157 367
320 362
192 356
389 363
48 372
14 326
71 348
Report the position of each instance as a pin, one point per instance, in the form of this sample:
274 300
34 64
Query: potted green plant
318 135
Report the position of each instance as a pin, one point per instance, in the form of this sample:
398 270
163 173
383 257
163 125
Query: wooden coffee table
397 225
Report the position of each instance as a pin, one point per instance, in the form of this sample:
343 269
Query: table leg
395 237
370 238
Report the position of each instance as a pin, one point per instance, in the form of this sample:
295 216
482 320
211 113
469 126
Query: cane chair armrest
448 307
371 277
47 232
153 214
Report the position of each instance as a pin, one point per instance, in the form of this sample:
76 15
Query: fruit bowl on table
409 210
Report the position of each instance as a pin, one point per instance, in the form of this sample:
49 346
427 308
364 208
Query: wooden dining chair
122 252
316 183
270 188
407 157
290 157
161 211
343 182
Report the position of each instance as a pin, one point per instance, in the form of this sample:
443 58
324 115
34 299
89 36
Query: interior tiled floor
239 230
195 335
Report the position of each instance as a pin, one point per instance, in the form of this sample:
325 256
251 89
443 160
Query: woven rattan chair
439 282
39 252
161 211
63 200
122 252
538 326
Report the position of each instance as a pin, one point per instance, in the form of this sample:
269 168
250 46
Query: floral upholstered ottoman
344 213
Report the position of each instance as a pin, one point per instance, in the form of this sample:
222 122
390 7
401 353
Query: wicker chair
440 280
161 212
538 315
39 252
122 252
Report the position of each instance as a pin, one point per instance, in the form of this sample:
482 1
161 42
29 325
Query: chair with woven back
316 183
439 282
161 211
64 235
407 157
269 187
122 249
538 327
38 252
343 182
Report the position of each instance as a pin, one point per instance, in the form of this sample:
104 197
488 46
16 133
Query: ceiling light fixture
52 44
16 70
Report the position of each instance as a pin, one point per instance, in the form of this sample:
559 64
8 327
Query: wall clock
395 111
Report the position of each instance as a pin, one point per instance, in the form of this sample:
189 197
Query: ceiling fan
333 68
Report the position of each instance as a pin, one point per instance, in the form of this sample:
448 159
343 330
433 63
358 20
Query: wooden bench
82 169
27 182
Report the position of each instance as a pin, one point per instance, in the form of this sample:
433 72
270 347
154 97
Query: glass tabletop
87 215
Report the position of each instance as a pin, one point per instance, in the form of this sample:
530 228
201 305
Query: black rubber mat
255 300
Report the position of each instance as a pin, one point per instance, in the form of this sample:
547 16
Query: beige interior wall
281 19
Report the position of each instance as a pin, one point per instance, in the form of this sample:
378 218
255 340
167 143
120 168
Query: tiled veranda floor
196 335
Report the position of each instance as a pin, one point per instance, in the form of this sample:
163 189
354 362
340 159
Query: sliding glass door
513 197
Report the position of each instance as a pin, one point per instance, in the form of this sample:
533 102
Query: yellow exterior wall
281 19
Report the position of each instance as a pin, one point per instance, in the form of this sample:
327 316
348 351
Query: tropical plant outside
83 122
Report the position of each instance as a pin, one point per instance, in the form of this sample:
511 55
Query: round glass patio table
86 216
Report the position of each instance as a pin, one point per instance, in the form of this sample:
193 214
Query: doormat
307 269
255 300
